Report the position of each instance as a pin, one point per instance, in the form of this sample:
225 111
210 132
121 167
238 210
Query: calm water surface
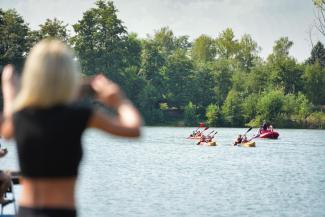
164 174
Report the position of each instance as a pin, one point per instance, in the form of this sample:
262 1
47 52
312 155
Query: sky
265 20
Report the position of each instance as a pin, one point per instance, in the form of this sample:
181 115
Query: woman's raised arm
128 120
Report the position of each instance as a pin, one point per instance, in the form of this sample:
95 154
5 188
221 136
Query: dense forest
175 81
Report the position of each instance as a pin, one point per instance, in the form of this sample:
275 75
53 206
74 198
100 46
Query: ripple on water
164 174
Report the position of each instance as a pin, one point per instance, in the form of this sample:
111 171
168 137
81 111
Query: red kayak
268 134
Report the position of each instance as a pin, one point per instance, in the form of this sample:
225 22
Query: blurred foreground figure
47 122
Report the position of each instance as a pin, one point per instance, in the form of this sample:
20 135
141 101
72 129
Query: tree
213 115
190 117
179 73
203 49
13 38
249 107
317 55
320 16
247 52
285 72
54 29
314 83
149 104
100 41
271 105
232 110
152 62
222 74
226 44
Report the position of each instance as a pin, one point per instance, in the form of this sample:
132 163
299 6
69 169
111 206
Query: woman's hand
8 89
107 91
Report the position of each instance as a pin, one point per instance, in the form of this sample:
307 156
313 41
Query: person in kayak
202 139
238 140
244 139
263 126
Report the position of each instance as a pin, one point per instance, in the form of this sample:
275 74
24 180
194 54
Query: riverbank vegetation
177 81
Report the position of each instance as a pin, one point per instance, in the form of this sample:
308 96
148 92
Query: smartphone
86 90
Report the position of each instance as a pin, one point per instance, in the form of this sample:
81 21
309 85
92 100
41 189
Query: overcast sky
265 20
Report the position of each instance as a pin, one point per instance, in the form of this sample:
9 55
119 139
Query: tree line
175 81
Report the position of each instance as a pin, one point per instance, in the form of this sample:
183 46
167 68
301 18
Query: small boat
212 143
268 134
194 137
247 144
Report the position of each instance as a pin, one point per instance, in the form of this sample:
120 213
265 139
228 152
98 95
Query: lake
164 174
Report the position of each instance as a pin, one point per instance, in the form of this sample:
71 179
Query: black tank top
49 140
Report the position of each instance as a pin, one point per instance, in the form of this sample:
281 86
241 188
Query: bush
213 115
190 116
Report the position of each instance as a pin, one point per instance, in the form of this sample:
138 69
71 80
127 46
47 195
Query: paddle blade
206 128
249 129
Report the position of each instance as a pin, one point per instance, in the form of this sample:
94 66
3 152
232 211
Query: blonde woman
45 117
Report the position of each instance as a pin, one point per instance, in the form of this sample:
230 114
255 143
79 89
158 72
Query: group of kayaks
242 141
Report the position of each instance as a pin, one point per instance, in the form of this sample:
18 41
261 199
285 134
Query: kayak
247 144
194 137
268 134
208 143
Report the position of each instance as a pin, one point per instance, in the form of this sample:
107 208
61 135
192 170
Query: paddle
211 132
204 129
248 130
201 125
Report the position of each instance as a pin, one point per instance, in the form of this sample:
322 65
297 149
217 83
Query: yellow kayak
248 144
208 143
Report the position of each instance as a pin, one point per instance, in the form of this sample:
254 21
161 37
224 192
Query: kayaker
202 139
238 140
244 139
264 125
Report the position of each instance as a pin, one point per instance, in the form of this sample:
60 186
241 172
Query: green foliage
13 38
100 41
179 71
316 120
317 55
190 116
203 49
285 72
271 105
226 44
247 54
213 115
249 108
148 103
174 80
54 29
222 74
232 110
314 80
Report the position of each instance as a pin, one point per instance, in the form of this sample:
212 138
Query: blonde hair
50 76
